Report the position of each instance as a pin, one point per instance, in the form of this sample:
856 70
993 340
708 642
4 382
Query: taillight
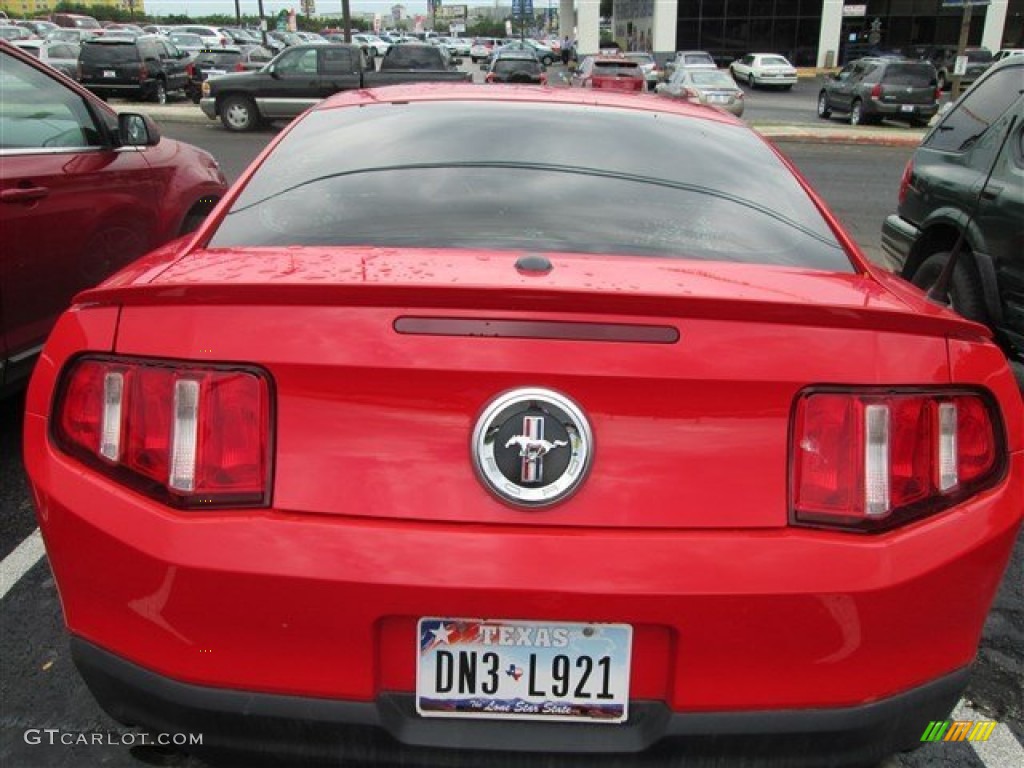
543 79
239 67
873 460
489 77
938 94
876 92
908 174
190 70
143 72
190 436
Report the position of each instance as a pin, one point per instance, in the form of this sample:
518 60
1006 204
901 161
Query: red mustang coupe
632 451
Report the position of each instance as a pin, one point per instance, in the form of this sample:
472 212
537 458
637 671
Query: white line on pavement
1002 750
18 563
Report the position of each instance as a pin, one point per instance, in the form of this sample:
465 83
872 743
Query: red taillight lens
876 92
190 70
908 173
189 436
869 461
543 79
489 78
143 72
239 67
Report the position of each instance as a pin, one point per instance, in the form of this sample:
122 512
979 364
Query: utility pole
965 28
238 12
346 20
263 23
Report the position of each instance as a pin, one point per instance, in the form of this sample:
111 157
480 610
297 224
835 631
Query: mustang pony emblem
531 448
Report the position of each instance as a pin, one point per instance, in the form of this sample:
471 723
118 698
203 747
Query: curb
188 113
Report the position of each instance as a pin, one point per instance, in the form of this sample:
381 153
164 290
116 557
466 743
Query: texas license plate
109 73
523 670
212 72
716 98
907 108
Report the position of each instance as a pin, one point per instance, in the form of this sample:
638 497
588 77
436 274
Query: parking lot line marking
1002 748
20 561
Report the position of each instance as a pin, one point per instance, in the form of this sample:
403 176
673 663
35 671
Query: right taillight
188 435
908 173
869 460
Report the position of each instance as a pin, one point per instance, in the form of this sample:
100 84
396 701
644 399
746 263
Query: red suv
83 191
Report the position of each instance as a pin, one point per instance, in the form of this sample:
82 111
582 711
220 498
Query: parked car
63 57
147 67
608 72
74 206
764 69
943 58
871 89
38 27
188 42
545 55
213 62
212 36
711 87
74 36
731 489
304 74
941 192
12 33
652 72
687 59
76 21
482 47
373 47
130 30
516 67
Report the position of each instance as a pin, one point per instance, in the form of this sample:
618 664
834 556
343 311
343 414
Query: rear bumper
209 107
918 111
389 730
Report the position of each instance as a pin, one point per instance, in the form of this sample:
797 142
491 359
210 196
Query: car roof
439 91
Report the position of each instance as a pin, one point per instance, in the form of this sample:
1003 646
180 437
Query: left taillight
187 435
869 461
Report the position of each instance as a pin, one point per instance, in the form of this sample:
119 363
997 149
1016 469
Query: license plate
907 108
523 670
209 72
109 73
717 98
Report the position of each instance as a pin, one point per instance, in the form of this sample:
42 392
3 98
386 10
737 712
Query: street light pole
965 28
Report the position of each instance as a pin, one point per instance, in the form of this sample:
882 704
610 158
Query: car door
339 71
294 84
72 208
839 89
174 63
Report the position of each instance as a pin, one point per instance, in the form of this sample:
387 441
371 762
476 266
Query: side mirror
135 130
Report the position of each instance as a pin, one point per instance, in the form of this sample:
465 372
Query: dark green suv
942 187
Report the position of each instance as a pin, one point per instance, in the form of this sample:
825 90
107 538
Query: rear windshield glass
698 58
913 75
412 57
773 61
681 187
712 79
508 66
218 59
616 69
109 53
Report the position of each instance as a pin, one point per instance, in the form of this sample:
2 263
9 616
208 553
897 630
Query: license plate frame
109 73
523 670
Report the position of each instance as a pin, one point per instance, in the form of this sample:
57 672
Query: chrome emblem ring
532 447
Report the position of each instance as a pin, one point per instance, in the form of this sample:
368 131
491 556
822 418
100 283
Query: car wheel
160 92
965 292
857 113
547 61
823 111
238 113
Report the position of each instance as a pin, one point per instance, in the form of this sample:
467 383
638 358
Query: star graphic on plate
441 634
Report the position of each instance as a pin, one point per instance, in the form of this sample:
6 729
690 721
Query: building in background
30 9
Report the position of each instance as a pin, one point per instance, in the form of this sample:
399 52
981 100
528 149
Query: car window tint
412 57
616 69
912 75
105 53
976 111
298 62
773 61
712 78
681 187
38 112
338 60
508 66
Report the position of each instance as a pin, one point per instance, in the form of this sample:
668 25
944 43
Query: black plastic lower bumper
289 729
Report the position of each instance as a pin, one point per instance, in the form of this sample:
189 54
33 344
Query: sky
270 7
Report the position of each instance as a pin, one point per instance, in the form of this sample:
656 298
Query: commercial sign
451 12
522 8
855 10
